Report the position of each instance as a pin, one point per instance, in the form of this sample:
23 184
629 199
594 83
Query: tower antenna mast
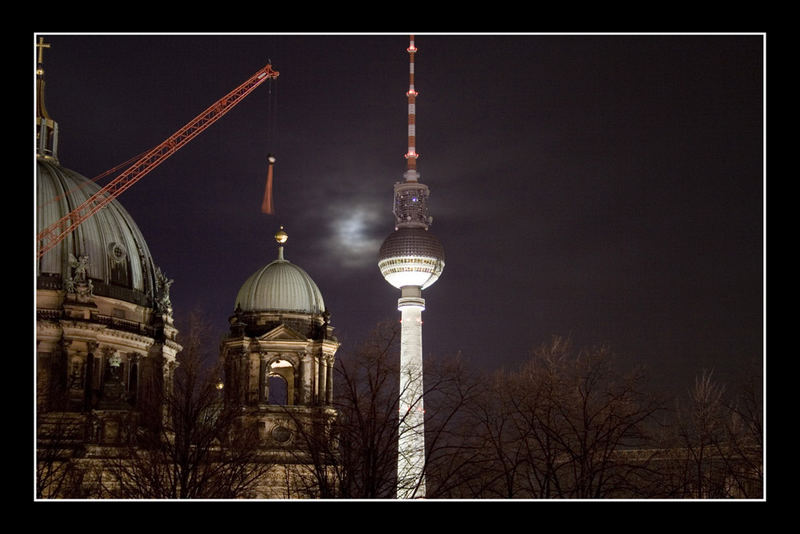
411 156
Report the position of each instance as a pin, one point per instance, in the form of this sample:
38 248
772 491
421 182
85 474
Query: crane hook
266 204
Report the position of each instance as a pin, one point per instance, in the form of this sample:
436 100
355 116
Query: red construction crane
57 231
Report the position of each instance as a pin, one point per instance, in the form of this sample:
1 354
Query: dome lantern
281 237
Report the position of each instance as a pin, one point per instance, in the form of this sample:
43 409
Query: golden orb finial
281 236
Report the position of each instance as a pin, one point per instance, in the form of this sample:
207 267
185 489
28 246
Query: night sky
604 187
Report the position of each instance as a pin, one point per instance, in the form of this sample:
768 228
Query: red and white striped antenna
411 174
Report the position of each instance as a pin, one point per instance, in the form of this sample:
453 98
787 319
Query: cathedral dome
119 262
280 286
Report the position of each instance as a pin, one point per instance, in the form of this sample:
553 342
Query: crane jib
57 231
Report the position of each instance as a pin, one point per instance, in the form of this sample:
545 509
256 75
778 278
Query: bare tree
366 397
569 423
356 457
702 429
493 456
718 441
450 452
560 427
191 445
59 443
744 450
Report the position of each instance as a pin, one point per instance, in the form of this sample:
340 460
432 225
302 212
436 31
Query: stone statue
113 366
78 283
114 388
163 303
79 267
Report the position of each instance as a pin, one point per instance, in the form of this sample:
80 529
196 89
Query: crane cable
267 204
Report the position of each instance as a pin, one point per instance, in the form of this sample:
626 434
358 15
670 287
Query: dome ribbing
280 286
119 261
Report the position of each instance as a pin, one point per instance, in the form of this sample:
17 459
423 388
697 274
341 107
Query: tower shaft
411 432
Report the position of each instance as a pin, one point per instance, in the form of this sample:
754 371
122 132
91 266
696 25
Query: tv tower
411 259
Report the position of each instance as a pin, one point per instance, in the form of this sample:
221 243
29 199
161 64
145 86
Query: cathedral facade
107 350
106 346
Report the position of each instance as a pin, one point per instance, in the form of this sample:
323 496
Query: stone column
306 365
263 382
134 376
168 371
329 379
76 379
320 379
242 374
90 380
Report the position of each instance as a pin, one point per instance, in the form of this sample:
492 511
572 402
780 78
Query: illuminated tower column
411 259
411 435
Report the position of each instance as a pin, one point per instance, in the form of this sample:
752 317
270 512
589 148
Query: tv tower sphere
411 257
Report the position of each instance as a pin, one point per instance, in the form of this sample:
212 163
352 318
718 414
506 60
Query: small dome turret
280 286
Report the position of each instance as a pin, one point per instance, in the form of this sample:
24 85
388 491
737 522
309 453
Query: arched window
278 390
119 265
280 382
